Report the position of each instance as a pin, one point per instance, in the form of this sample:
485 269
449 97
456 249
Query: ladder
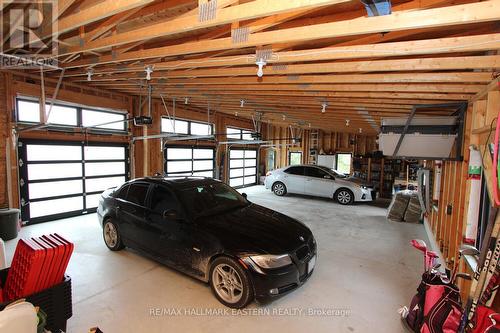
313 146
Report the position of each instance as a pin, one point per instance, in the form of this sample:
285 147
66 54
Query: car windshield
332 172
210 199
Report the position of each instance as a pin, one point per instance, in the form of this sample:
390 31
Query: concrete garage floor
366 270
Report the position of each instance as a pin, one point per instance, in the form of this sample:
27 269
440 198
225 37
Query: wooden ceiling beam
438 17
394 65
246 11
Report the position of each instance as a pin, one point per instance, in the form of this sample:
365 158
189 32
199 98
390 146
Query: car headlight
272 261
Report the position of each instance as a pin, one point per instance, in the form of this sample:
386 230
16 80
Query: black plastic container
9 223
55 301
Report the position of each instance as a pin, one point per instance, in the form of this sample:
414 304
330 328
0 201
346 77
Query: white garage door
62 179
189 161
242 167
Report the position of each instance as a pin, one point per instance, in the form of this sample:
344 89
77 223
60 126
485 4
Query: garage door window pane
92 118
179 166
235 173
179 153
252 162
53 189
236 182
236 154
92 201
50 171
249 180
236 163
247 136
51 207
28 111
201 129
250 154
104 153
101 184
53 152
203 165
62 115
250 171
104 168
203 153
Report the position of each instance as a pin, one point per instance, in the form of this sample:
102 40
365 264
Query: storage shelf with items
377 171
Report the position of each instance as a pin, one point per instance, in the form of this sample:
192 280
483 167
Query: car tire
230 283
344 196
279 189
111 235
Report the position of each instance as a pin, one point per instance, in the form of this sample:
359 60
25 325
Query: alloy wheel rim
227 283
279 189
110 235
344 197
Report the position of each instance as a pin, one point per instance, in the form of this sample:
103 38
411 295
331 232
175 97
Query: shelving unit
378 171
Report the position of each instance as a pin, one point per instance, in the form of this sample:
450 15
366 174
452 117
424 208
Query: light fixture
360 130
347 122
148 70
261 63
309 125
236 113
186 100
90 72
323 107
242 103
283 117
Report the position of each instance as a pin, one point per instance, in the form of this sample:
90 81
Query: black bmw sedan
206 229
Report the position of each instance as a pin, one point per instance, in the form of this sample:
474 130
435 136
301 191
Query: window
233 133
185 127
137 193
315 172
122 194
116 121
299 171
162 200
189 161
343 163
70 174
242 167
29 111
295 157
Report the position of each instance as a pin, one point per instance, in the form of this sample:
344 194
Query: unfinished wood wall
448 220
4 199
332 142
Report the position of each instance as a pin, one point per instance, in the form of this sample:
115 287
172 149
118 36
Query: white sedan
318 181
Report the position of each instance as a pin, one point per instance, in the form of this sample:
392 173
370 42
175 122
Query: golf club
465 249
419 244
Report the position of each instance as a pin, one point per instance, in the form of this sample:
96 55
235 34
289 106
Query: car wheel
279 189
344 196
230 283
111 236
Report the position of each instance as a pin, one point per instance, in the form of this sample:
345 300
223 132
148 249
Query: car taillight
268 173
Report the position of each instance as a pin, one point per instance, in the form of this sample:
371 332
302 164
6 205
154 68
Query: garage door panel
57 181
53 153
57 206
54 170
242 167
101 184
54 189
104 168
93 153
189 161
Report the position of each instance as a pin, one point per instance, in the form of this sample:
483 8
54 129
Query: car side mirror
244 195
170 214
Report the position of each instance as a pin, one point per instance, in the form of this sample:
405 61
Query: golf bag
436 308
